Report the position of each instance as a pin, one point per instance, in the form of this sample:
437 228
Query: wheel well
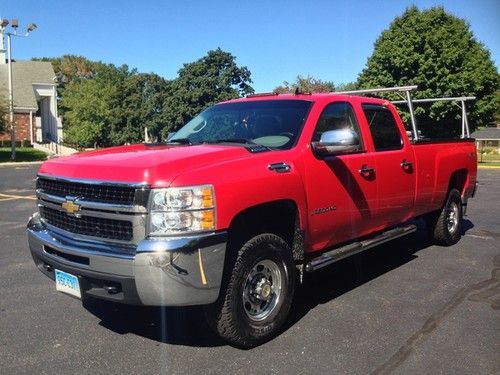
277 217
457 180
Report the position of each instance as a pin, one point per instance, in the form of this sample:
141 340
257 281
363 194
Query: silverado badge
70 207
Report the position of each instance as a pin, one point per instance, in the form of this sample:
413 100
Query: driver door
341 192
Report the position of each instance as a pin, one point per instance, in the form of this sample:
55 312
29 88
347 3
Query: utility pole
14 25
11 102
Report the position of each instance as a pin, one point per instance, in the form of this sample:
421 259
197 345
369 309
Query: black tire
237 315
445 226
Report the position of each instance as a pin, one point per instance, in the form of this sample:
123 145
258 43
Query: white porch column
31 127
38 127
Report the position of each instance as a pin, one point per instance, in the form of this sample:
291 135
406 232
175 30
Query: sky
277 40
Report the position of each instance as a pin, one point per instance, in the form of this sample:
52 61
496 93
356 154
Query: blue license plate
67 283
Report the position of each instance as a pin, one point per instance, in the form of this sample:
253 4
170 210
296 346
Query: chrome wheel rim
262 289
453 217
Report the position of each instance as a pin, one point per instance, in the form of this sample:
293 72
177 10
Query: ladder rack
405 93
377 90
461 99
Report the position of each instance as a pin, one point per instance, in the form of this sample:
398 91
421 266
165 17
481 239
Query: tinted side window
383 128
339 115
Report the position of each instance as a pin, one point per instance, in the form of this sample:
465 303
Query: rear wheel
445 226
259 294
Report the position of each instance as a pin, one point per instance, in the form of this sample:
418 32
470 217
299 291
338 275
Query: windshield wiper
232 140
250 145
182 141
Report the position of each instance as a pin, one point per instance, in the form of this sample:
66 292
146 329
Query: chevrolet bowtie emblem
70 207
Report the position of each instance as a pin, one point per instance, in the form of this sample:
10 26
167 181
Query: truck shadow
172 325
341 277
187 326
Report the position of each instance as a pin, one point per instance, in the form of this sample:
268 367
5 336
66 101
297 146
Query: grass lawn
22 154
486 158
489 164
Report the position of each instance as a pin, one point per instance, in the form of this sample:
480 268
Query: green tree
438 52
497 107
211 79
305 84
142 106
69 68
348 86
4 114
107 105
113 106
90 108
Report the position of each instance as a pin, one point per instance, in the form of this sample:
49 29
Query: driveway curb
21 163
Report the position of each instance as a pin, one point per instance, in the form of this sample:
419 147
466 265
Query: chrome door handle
279 167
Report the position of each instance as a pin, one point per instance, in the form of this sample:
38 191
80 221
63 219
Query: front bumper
178 271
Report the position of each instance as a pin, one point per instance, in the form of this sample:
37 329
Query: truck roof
314 97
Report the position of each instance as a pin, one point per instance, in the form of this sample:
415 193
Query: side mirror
339 141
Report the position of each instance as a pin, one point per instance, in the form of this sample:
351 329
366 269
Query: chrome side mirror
339 141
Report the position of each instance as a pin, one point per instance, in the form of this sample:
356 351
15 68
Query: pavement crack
490 294
484 291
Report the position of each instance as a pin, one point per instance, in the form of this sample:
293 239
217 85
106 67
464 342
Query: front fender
249 183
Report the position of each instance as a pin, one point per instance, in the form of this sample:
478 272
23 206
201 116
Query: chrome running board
339 253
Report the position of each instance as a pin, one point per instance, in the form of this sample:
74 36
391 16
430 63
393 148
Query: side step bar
342 252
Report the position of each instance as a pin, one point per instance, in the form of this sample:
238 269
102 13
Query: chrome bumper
178 271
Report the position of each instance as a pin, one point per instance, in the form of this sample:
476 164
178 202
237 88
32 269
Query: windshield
270 123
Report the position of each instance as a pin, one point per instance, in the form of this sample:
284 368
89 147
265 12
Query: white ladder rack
405 93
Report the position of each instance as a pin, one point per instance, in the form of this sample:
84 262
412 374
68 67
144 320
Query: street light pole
11 101
14 24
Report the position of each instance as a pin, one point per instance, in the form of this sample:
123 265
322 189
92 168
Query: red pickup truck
243 201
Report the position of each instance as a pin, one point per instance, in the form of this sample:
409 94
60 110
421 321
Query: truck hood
155 165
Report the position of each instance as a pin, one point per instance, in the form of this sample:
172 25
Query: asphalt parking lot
404 307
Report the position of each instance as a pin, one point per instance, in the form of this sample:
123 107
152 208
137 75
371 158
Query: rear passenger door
394 162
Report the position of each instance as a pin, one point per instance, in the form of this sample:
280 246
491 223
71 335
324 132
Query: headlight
181 210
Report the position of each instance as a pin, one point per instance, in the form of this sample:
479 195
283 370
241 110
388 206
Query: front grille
91 192
88 225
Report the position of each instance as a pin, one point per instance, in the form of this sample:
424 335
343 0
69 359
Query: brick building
35 99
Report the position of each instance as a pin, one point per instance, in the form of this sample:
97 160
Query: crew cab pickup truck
242 202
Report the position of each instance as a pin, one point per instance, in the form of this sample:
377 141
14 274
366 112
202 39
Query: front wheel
445 226
259 294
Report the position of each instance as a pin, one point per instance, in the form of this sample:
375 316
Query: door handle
366 171
279 167
406 165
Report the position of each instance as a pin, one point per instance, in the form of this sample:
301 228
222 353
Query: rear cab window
383 127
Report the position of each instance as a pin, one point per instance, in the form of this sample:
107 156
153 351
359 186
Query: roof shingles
24 75
493 134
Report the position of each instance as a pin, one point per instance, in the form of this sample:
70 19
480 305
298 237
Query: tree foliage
348 86
206 81
69 68
497 107
107 105
438 52
305 84
90 108
114 107
4 114
143 106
